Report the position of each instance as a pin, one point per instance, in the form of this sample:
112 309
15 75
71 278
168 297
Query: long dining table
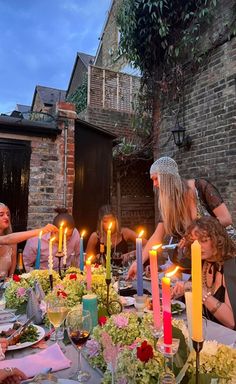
213 331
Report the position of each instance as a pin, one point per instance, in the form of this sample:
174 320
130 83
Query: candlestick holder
113 306
59 256
168 351
51 281
140 304
197 345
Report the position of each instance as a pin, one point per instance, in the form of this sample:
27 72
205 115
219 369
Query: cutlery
169 246
19 330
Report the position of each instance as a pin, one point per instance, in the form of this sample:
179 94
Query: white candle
50 257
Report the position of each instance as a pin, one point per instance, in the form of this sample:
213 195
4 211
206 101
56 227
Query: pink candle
155 287
89 274
166 308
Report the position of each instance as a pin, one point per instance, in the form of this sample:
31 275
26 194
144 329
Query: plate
127 301
182 306
40 330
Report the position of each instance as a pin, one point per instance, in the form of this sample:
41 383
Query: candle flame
169 274
88 261
141 233
155 247
110 225
62 223
66 229
40 234
83 233
52 239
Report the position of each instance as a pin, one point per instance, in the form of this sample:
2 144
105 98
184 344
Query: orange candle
196 291
155 287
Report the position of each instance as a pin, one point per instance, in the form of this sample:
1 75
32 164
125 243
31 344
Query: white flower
210 347
26 275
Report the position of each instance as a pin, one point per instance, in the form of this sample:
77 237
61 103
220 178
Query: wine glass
57 311
79 326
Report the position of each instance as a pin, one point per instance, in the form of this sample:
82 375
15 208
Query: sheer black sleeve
209 195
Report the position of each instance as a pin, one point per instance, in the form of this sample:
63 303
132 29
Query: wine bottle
20 268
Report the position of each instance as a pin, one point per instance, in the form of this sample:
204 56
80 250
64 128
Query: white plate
41 334
127 301
182 305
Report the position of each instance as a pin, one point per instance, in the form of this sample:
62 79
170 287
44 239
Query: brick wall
208 112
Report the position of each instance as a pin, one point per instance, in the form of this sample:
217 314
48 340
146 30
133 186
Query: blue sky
39 40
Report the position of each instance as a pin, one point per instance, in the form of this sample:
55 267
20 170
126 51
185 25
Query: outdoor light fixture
180 139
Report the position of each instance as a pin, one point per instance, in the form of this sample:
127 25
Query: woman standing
180 202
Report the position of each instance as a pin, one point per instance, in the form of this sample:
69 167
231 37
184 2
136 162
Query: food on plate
176 307
29 334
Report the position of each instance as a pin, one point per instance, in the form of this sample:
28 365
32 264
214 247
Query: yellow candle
65 246
108 257
60 237
196 291
50 257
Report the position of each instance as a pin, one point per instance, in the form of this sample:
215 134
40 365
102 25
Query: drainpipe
65 162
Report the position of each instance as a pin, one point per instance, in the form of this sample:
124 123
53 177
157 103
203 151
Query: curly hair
208 226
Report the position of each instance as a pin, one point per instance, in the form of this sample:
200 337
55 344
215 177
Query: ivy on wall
79 97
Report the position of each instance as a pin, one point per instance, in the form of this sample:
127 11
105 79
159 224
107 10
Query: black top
219 295
117 250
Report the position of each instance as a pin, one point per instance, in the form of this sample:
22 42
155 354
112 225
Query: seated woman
7 252
8 241
218 270
73 243
119 237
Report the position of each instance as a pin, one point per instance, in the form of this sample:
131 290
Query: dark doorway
14 179
93 174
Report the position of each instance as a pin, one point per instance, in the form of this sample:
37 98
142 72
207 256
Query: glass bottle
20 268
102 254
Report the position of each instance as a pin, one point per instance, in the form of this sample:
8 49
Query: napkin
31 365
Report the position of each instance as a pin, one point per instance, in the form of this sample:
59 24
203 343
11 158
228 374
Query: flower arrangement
137 359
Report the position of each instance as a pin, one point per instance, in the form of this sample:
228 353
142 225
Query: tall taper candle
108 256
37 261
60 237
50 257
155 287
166 308
196 291
139 261
65 247
81 252
89 273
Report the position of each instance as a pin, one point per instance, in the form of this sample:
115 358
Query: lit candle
166 309
89 273
155 286
196 291
65 246
139 261
60 237
81 251
108 256
50 257
37 261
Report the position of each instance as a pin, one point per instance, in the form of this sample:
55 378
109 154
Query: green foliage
79 97
155 34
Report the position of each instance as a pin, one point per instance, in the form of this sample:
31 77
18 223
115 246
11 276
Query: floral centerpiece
134 358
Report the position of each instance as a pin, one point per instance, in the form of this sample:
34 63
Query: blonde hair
174 203
9 229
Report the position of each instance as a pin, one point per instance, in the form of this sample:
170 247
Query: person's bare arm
18 237
223 215
13 260
91 246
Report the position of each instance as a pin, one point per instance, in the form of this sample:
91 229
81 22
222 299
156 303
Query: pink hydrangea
92 347
121 321
20 292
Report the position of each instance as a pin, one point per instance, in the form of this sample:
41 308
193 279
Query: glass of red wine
79 325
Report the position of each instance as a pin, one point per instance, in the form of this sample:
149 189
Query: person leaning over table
180 202
119 237
218 253
73 243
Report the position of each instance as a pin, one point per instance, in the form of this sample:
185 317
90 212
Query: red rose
61 294
102 320
73 276
96 265
16 278
145 352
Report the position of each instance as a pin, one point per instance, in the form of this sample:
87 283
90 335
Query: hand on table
11 376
